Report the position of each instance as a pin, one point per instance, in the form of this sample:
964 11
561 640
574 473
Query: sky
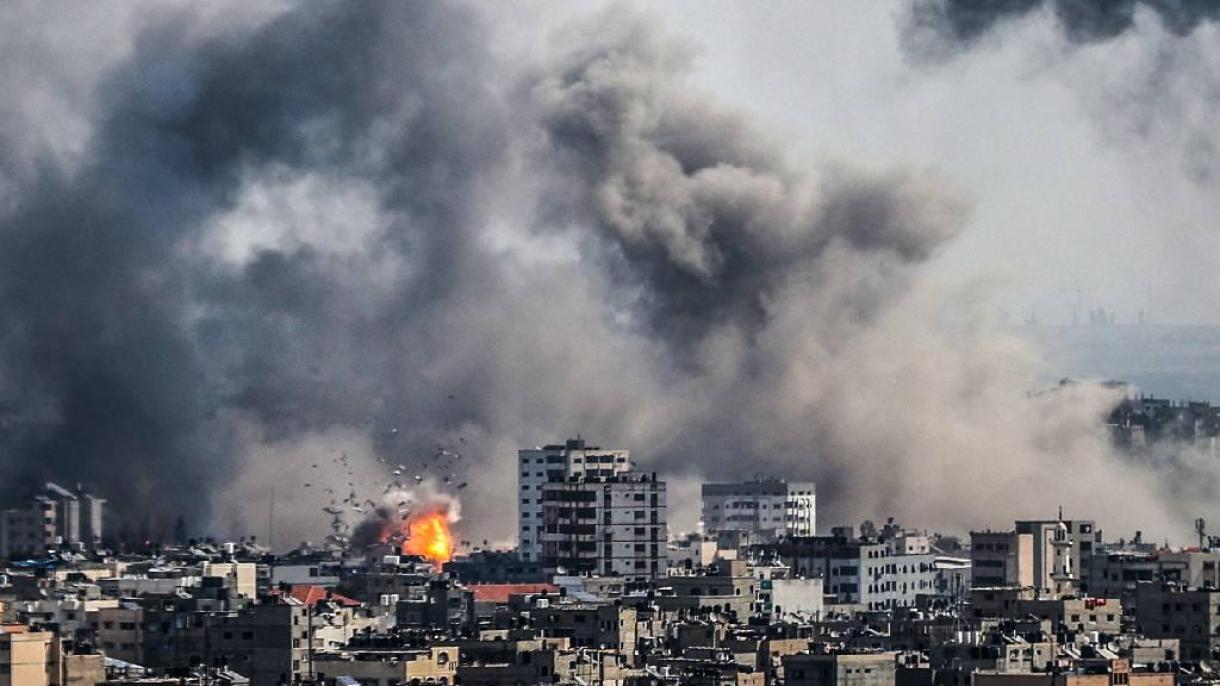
294 247
1082 160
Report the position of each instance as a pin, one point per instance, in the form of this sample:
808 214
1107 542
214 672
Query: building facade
614 525
1001 558
864 572
771 508
55 517
1061 554
539 466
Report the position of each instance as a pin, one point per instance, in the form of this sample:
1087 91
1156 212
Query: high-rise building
612 525
769 508
539 466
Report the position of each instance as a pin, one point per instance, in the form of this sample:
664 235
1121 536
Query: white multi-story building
539 466
769 508
613 526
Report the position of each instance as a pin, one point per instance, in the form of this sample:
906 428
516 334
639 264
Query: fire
428 536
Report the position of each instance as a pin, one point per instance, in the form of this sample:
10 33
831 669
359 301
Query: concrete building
801 598
29 531
55 517
1191 616
727 586
23 656
613 525
1115 672
770 508
863 572
1061 553
1080 615
268 643
841 669
119 632
433 665
1001 558
242 577
539 466
40 658
1116 573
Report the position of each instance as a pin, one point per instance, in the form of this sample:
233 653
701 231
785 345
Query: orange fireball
429 537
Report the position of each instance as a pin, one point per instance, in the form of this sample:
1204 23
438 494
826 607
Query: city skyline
238 243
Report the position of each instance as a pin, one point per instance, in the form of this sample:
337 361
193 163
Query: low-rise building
434 665
841 669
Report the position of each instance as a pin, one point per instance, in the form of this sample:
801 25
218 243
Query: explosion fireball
428 536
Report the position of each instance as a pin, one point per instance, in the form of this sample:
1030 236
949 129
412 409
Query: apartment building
865 571
1001 558
612 525
769 508
56 516
539 466
1191 616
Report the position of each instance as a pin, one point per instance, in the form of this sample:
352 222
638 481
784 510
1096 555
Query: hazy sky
1090 164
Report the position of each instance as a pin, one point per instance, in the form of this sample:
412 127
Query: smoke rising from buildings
355 228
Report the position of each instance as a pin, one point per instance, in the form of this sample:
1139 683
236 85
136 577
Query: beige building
841 669
24 656
241 576
1109 673
36 658
437 665
119 632
1001 558
1062 553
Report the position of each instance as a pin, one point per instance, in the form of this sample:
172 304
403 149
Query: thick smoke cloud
131 356
353 229
968 21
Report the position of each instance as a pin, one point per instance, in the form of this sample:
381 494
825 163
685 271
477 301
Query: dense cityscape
610 343
600 590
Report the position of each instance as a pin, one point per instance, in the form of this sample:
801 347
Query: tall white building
613 525
769 508
539 466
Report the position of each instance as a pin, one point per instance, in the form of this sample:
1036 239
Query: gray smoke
351 228
1144 70
965 22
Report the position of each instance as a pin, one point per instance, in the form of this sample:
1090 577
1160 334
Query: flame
428 536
